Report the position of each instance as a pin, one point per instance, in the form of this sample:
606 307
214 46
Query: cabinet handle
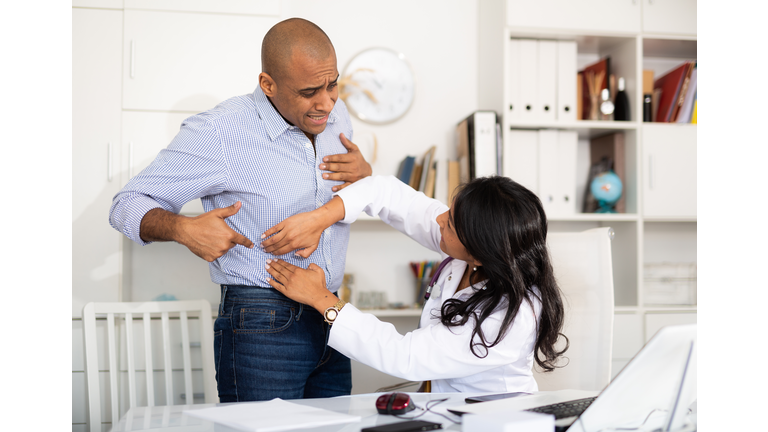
651 172
130 160
133 53
109 161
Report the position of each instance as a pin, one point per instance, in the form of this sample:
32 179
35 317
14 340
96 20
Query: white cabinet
669 158
620 16
144 135
96 65
669 16
655 321
178 61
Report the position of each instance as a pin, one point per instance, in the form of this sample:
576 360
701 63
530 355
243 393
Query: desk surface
172 418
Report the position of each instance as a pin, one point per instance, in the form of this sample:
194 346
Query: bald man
255 160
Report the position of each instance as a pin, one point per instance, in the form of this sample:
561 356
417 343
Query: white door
144 135
179 61
669 183
96 65
620 16
669 16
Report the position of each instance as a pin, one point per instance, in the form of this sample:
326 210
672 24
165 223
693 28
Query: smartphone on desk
486 398
406 426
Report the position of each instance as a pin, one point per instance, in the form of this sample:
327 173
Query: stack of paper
271 416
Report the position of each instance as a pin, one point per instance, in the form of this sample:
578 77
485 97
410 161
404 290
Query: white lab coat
432 352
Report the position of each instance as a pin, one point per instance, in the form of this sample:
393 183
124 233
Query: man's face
306 93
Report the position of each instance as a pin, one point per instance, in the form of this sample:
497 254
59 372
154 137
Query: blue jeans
268 346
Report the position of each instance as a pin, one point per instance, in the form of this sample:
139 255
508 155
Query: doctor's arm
301 232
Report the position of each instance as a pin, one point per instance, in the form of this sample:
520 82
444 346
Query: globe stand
606 207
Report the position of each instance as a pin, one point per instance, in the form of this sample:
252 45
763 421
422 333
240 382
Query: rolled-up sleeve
191 167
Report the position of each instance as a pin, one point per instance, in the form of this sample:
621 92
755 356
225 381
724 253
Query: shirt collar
274 122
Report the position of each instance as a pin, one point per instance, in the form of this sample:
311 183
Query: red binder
670 89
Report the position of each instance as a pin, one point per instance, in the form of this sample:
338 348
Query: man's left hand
348 168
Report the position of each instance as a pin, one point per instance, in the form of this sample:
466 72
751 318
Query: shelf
596 217
671 308
383 313
586 129
670 219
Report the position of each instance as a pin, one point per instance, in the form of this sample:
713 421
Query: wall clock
378 85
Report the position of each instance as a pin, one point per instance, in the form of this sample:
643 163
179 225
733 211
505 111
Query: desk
172 418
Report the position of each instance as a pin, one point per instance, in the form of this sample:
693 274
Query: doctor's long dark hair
502 225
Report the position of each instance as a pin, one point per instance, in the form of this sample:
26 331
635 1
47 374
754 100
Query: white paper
271 416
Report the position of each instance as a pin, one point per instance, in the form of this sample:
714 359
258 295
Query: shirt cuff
355 197
132 215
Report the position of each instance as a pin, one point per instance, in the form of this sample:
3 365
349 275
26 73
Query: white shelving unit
660 189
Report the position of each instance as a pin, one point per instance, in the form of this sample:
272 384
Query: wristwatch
332 312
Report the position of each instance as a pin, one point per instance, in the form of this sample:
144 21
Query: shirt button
449 277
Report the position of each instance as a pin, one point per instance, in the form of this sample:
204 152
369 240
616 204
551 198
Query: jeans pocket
268 317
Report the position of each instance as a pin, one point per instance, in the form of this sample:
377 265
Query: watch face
378 85
331 314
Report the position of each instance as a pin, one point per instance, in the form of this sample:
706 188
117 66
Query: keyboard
565 409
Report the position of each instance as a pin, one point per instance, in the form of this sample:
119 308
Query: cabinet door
620 16
669 184
96 65
144 135
177 61
669 16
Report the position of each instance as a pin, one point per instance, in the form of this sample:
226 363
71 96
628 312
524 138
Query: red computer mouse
394 403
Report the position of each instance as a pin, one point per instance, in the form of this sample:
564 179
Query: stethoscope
436 276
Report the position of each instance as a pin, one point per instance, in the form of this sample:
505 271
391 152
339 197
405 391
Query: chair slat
148 360
167 360
189 396
131 365
112 366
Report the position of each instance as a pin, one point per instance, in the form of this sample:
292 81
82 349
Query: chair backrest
129 322
583 270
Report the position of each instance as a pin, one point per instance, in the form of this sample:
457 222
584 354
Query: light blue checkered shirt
243 150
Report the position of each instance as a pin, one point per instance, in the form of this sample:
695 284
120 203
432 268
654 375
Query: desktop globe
606 188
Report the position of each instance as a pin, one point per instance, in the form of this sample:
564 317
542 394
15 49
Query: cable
428 408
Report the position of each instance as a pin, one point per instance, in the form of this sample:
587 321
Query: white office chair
123 327
583 270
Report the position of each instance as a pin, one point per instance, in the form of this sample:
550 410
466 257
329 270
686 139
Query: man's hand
208 235
304 286
348 168
303 230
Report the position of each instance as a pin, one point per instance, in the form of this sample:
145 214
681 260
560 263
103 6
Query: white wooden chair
583 270
122 322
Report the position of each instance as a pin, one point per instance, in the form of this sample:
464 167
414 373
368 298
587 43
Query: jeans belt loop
223 297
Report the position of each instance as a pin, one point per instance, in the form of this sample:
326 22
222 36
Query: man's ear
267 84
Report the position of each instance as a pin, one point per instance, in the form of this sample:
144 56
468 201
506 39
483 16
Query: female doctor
494 308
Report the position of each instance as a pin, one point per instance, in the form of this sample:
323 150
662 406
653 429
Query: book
595 78
669 84
415 177
441 181
454 180
681 94
687 109
579 95
406 169
426 165
478 147
429 187
606 153
693 116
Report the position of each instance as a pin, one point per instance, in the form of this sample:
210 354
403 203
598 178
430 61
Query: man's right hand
208 235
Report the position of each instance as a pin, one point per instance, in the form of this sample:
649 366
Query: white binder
528 67
484 135
566 81
521 158
548 171
567 148
546 105
514 105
